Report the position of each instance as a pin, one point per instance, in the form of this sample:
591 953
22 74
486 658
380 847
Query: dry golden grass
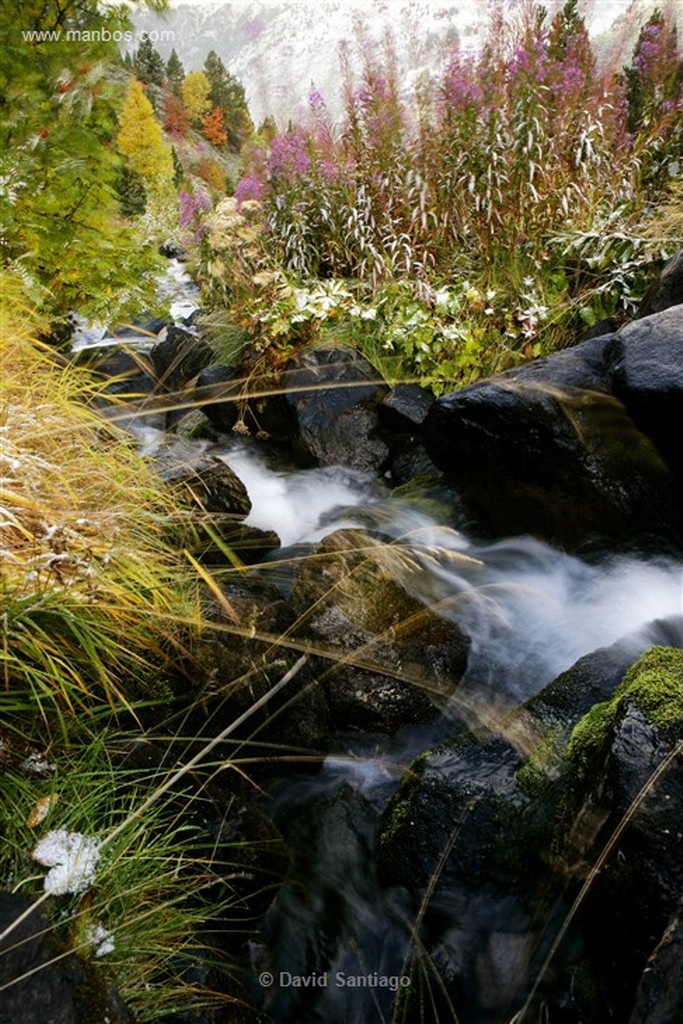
89 584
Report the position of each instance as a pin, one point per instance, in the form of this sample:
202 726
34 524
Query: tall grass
90 583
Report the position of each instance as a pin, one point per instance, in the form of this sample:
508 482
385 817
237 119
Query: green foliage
155 886
654 685
131 190
227 93
175 71
148 63
62 233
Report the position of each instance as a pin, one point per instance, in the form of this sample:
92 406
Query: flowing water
333 948
335 944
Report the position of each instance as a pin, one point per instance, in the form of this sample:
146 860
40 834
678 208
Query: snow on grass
72 858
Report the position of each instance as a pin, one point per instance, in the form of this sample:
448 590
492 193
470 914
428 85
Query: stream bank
446 819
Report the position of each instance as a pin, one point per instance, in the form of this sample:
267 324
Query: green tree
141 141
62 233
196 93
227 93
148 63
175 71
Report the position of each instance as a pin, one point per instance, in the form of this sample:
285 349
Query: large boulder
646 375
42 981
201 479
217 395
178 356
575 446
503 827
334 394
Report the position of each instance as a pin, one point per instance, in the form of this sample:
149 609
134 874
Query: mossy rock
654 685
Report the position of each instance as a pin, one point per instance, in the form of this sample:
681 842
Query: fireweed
499 154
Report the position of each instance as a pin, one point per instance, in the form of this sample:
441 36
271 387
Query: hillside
279 49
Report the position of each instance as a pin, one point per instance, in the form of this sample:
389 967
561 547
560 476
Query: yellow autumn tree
141 141
196 93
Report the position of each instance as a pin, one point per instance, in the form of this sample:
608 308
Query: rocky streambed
476 775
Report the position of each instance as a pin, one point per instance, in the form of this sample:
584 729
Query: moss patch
654 684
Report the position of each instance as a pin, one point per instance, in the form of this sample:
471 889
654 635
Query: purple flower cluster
530 60
651 48
316 103
249 187
288 158
460 88
191 206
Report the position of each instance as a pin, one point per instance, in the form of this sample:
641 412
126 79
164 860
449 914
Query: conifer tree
196 93
149 64
140 140
227 92
175 71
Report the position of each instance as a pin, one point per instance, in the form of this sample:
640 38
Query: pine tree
214 127
196 93
149 65
175 71
227 92
141 141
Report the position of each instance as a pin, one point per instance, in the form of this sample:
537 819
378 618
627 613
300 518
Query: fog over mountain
280 50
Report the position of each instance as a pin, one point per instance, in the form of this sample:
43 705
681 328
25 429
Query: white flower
72 858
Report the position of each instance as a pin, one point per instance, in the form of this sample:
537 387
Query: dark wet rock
145 326
392 661
60 988
248 544
179 356
243 659
334 395
659 999
125 369
410 461
217 392
564 466
406 407
172 250
647 376
667 290
600 329
203 479
522 814
576 446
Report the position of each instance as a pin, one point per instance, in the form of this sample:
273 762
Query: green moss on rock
654 684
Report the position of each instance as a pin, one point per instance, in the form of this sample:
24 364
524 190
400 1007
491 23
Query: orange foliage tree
214 127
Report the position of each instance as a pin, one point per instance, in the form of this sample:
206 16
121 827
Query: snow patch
72 858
